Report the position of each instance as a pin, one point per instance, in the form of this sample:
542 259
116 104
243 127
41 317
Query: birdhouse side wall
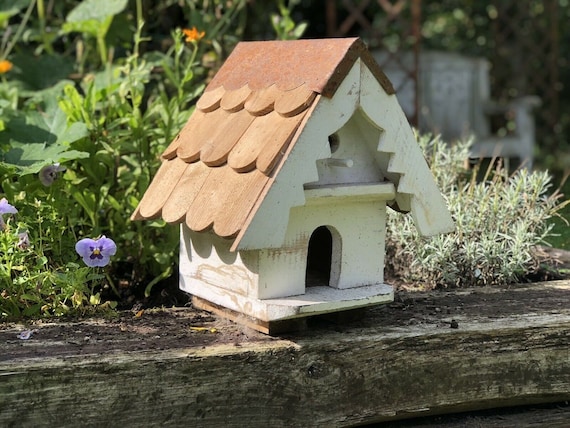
206 261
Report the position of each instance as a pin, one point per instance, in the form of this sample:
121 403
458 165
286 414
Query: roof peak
320 64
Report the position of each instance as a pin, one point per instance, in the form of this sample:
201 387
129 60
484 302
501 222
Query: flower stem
42 21
19 31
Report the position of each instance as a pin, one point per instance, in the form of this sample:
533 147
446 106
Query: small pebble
25 335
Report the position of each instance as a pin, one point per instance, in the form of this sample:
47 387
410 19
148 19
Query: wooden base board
315 301
266 327
273 328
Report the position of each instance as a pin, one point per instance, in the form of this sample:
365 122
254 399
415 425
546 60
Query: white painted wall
206 260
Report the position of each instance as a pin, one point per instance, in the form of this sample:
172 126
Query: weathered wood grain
216 148
196 133
195 119
233 101
294 101
176 206
228 222
510 347
277 144
261 101
168 175
210 100
266 134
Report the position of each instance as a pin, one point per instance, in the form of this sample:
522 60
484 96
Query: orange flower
193 35
5 66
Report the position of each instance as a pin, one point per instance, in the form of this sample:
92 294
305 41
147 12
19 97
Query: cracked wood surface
426 353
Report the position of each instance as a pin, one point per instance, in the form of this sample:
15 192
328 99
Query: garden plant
86 109
88 102
501 219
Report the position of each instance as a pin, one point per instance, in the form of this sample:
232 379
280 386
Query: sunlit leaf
95 299
37 140
97 10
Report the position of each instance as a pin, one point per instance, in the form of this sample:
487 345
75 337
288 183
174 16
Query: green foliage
38 272
35 139
106 119
499 219
94 18
283 23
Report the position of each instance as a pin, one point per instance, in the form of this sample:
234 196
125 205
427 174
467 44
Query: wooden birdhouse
281 178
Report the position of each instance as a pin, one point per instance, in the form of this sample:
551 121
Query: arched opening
334 142
323 257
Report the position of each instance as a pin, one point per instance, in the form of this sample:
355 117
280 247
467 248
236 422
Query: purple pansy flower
49 173
23 240
96 252
25 335
5 208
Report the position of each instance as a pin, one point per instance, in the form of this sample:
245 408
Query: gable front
396 155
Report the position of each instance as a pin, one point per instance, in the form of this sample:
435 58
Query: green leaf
36 140
30 158
97 10
95 299
33 310
40 72
92 27
87 201
9 8
156 280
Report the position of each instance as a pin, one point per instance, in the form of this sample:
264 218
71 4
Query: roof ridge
321 64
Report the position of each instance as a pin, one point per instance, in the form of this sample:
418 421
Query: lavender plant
500 219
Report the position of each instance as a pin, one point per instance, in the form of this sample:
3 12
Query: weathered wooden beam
402 360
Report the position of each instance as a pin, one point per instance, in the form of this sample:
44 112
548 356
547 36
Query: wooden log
427 353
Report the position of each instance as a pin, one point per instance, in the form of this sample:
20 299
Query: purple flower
25 335
23 240
49 173
5 208
96 252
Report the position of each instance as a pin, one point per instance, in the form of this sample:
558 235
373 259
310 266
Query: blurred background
453 62
525 44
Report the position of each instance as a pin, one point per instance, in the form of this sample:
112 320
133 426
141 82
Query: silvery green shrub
500 218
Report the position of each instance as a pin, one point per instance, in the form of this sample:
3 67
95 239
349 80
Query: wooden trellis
362 15
526 54
524 51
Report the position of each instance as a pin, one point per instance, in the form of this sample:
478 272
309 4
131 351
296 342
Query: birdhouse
281 179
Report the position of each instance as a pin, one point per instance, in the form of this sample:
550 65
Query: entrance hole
319 257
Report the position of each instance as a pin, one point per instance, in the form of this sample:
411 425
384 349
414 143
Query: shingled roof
221 165
216 168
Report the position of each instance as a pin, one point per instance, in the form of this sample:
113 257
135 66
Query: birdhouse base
277 327
285 314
